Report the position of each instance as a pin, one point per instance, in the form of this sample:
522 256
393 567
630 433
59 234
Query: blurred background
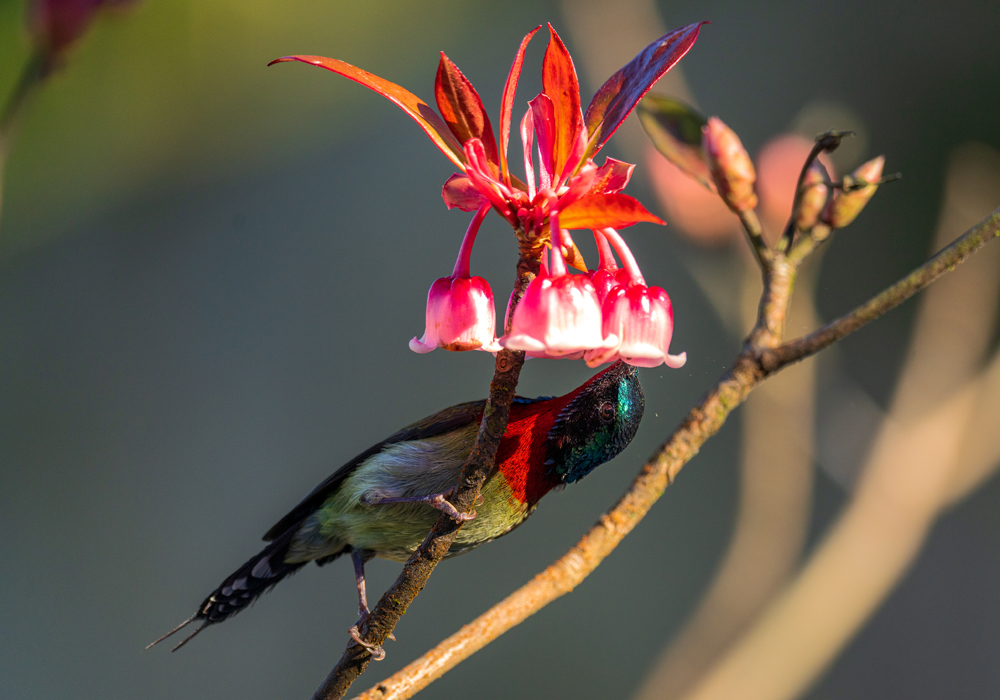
210 269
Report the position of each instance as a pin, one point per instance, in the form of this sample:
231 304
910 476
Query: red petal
543 116
507 105
605 211
560 83
612 176
462 109
616 98
418 110
460 193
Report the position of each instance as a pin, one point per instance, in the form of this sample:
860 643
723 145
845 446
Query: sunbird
383 502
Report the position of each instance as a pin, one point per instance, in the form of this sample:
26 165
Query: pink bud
814 193
848 203
732 169
643 318
558 316
460 316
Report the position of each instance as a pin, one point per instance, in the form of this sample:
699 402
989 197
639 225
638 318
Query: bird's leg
359 557
440 501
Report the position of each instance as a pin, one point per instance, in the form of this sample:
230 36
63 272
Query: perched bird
382 503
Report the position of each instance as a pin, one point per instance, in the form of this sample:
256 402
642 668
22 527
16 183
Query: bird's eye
607 412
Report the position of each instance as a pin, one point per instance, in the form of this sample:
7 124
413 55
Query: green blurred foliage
172 88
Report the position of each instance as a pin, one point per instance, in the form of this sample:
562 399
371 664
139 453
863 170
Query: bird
383 502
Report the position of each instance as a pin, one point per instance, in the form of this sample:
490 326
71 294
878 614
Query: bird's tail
242 587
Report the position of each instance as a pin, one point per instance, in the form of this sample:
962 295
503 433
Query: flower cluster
601 315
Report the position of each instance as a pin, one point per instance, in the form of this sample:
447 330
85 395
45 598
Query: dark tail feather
242 587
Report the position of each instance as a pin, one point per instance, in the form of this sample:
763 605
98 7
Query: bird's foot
376 650
439 501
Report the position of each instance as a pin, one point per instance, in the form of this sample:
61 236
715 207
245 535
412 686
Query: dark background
209 272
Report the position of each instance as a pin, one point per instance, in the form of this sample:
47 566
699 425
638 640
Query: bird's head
597 424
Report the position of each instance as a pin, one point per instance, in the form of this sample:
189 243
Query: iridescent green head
597 424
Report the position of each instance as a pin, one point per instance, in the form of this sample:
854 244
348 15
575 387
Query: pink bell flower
460 311
641 317
560 314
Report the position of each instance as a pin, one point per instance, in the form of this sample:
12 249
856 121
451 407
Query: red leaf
459 192
462 108
418 110
560 83
507 105
544 121
605 211
616 98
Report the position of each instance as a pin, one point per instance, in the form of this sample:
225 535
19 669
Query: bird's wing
437 424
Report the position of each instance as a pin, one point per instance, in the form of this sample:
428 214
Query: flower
560 314
460 312
640 318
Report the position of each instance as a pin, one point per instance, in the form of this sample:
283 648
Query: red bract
460 311
586 196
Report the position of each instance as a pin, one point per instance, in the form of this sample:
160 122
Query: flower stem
465 251
628 260
607 256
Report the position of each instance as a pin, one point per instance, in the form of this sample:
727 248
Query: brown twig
755 363
479 466
971 241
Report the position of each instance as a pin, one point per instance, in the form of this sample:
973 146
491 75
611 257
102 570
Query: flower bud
812 197
460 316
848 203
732 169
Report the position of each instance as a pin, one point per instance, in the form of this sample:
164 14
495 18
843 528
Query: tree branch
753 365
945 261
479 466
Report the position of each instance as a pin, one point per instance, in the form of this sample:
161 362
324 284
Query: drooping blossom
641 318
564 139
460 311
560 314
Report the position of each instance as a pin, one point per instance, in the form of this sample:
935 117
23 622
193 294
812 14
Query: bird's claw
376 650
441 502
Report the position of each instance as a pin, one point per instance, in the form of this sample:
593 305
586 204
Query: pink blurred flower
460 311
697 212
56 24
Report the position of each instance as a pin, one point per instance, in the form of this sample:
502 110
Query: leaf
616 98
507 105
418 110
462 108
605 211
560 84
675 130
